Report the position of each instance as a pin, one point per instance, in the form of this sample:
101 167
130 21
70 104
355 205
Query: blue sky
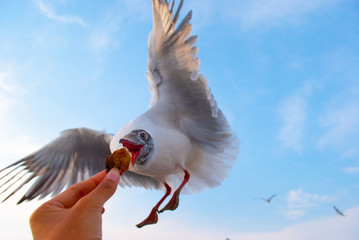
285 72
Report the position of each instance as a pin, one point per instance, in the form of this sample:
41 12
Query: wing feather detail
173 61
72 157
182 98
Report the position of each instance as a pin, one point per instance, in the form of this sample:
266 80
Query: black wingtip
21 200
7 198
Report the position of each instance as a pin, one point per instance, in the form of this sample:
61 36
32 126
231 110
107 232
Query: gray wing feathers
178 88
72 157
168 46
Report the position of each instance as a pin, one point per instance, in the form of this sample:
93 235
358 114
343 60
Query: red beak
133 148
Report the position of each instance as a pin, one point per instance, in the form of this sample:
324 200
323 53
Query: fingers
98 189
105 189
69 197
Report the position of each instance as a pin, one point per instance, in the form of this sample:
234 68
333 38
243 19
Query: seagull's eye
143 136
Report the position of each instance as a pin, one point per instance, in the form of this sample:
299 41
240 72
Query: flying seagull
268 200
182 144
338 211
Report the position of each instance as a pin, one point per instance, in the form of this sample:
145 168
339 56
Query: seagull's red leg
174 201
153 217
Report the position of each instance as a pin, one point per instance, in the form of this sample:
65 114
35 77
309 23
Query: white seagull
182 143
268 200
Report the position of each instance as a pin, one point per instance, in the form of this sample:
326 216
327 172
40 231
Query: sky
284 72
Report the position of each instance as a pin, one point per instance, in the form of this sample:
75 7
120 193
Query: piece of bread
120 159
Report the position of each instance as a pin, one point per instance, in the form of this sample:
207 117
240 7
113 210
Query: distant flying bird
182 142
339 212
268 200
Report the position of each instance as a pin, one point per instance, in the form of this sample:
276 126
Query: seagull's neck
160 116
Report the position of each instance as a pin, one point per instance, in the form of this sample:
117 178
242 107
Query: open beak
133 148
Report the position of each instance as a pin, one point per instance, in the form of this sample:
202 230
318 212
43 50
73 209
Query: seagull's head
140 144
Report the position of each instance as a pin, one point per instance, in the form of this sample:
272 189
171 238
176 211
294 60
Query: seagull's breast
172 151
172 147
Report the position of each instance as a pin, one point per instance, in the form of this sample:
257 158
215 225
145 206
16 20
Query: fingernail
114 175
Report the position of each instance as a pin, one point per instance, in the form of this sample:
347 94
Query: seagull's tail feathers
207 170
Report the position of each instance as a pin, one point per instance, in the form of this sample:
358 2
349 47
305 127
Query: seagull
338 211
268 200
181 144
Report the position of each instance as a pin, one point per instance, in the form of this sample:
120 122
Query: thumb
105 189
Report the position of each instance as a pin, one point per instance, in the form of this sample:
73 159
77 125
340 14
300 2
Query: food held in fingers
120 159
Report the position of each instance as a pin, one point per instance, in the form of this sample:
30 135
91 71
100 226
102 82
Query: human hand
77 212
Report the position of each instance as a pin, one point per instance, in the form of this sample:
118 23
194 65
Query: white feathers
172 52
194 52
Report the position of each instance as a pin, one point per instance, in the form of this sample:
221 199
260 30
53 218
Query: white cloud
273 12
139 8
330 228
351 170
298 202
350 152
295 213
342 126
12 144
50 13
4 74
5 103
103 34
17 146
293 114
8 89
103 37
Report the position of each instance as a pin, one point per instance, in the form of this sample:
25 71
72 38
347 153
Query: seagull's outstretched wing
338 211
179 91
267 199
74 156
271 197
